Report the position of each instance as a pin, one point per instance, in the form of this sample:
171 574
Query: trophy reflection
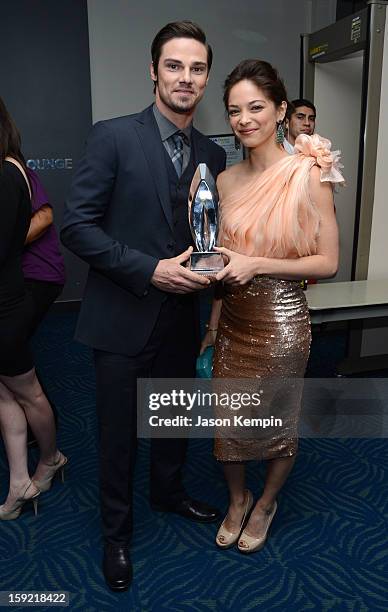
203 220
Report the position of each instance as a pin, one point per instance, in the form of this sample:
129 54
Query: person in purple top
42 262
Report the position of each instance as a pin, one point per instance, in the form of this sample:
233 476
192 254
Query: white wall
121 32
375 341
337 95
378 254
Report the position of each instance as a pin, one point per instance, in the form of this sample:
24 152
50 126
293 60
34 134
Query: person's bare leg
235 478
28 393
13 427
276 475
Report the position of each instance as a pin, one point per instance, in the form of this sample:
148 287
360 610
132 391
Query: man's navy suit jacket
118 218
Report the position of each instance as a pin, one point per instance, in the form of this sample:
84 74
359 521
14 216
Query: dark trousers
169 353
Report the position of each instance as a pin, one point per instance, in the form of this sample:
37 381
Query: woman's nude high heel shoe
225 538
248 543
15 510
58 467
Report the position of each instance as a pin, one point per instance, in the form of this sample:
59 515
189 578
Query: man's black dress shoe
117 567
190 509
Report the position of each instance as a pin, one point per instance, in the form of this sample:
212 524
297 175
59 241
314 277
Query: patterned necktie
177 154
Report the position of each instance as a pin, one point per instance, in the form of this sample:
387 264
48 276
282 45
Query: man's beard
180 108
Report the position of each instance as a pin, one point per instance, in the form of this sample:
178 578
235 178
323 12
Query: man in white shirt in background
301 116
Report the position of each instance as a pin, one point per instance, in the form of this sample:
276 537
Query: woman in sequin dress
277 226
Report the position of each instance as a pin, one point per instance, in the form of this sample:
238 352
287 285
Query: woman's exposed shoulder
228 177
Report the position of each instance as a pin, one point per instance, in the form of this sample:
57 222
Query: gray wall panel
45 82
121 33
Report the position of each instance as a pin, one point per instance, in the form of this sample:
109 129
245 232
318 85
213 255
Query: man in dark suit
126 216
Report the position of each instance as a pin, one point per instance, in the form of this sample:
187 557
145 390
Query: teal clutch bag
205 363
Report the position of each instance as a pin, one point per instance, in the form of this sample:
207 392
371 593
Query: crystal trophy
203 220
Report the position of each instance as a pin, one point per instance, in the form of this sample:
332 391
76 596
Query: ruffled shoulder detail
320 148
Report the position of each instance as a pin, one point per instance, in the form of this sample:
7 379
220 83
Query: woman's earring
237 143
279 138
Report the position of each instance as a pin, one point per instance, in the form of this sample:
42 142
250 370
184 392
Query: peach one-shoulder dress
264 330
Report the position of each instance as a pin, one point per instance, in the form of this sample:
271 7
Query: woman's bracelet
211 328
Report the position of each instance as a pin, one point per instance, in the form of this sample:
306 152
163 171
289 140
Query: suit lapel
201 149
152 146
149 137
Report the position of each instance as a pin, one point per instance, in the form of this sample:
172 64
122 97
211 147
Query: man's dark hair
301 102
178 29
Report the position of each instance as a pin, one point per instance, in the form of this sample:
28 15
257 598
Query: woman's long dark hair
10 142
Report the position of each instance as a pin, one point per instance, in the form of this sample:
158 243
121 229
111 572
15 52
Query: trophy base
207 262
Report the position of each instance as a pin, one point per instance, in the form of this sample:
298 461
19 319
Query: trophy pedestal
206 262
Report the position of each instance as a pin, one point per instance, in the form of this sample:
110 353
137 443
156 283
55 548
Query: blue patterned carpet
327 549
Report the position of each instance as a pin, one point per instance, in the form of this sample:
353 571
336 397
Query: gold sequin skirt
264 334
